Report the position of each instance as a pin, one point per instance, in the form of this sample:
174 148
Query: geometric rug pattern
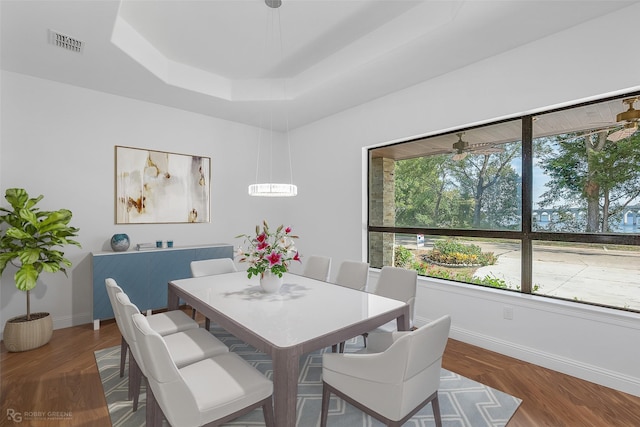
463 402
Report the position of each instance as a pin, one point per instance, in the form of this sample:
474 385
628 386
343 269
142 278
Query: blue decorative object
120 242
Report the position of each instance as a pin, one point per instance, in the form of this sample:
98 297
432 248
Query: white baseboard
61 322
594 374
68 321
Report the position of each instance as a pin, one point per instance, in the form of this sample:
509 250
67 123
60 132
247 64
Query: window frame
526 235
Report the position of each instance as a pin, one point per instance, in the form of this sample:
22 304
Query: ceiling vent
65 42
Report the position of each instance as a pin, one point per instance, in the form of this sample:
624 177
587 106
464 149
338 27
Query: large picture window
546 204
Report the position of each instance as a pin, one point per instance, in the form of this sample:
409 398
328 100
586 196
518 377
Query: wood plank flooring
62 377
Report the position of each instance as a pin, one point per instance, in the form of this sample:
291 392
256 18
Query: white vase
270 282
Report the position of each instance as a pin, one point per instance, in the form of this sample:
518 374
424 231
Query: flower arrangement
268 251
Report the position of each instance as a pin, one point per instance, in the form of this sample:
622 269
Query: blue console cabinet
144 275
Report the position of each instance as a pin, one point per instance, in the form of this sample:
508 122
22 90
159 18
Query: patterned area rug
463 402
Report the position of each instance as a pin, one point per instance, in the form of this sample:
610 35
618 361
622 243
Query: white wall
595 344
58 140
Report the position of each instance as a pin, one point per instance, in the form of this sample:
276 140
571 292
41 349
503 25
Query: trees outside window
492 185
479 191
592 181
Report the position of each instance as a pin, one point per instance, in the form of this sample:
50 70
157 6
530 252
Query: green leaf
29 255
28 216
72 242
32 202
57 220
18 234
26 277
5 257
51 267
17 197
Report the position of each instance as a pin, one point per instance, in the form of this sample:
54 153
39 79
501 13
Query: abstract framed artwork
161 187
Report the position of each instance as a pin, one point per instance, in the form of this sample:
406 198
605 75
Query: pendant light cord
274 40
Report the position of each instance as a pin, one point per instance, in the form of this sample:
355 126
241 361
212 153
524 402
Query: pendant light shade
273 190
270 189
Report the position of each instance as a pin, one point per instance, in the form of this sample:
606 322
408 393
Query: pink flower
274 259
269 250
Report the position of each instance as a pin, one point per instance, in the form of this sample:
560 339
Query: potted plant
269 254
30 242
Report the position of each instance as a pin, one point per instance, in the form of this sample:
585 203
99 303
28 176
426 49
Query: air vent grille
65 42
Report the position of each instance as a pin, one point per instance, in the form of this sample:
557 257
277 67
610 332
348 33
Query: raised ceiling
218 58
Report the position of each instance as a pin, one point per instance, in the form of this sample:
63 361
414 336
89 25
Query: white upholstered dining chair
399 284
164 323
210 267
393 378
353 274
317 267
184 347
210 392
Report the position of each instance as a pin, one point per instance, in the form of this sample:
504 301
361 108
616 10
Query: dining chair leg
135 381
123 355
326 395
267 410
151 407
154 413
207 321
131 374
435 404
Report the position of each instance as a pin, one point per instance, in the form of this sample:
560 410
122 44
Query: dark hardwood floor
62 377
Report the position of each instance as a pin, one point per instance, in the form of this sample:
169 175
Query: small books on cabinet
145 246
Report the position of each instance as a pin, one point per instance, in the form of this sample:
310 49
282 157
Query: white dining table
305 315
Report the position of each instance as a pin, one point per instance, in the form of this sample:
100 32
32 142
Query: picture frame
154 186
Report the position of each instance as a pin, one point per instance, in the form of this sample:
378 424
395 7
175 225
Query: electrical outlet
507 313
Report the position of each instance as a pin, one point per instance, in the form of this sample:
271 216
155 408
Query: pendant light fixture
270 189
